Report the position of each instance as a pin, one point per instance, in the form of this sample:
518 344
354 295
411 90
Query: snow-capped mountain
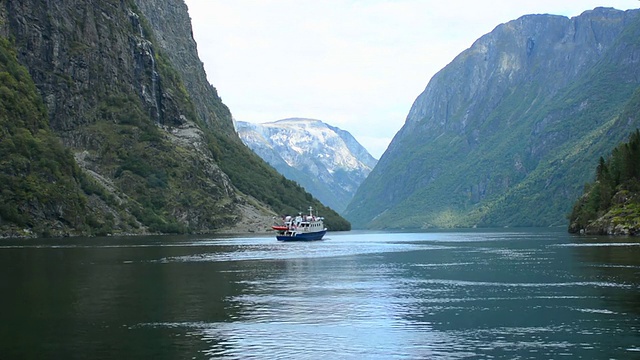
327 161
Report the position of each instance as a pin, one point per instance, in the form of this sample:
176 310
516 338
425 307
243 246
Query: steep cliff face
150 140
172 32
116 101
41 184
499 136
171 26
327 161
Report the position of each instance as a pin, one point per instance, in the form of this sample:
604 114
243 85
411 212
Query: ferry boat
301 228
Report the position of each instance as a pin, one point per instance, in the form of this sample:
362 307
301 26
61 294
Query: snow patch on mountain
327 161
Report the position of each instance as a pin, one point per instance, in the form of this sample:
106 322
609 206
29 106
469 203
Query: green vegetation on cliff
40 181
611 204
252 175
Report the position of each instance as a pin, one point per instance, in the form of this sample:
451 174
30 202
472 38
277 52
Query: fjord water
516 294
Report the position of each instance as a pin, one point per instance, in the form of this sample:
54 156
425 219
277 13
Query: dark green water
456 295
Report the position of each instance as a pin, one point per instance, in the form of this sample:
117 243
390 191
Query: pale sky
354 64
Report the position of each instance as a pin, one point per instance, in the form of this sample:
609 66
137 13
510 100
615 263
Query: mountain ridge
479 143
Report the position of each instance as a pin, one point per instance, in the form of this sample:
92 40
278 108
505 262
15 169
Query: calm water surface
455 295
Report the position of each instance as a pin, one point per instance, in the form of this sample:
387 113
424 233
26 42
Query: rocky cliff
41 184
327 161
504 135
175 38
125 94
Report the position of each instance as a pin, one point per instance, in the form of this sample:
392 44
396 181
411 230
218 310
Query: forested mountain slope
126 98
611 204
507 133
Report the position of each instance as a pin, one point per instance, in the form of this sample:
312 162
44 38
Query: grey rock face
140 128
171 26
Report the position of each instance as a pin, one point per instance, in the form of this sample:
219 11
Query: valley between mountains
110 126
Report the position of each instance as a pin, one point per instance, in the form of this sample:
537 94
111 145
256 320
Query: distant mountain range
327 161
509 132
